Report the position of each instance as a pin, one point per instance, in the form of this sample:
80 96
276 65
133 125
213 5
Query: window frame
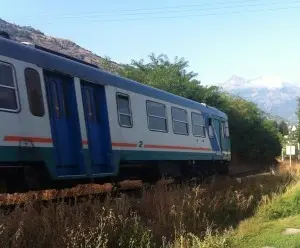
187 121
41 91
159 117
130 110
203 126
15 88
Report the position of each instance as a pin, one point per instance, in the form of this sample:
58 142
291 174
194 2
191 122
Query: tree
283 128
107 64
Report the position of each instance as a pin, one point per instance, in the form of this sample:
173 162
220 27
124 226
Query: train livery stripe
167 147
29 139
32 139
114 144
118 144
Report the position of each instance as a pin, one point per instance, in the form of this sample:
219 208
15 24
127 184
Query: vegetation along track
96 191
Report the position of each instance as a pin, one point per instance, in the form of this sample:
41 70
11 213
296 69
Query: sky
219 38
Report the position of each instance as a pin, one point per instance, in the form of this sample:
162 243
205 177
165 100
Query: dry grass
79 190
164 216
286 168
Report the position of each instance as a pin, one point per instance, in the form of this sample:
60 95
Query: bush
283 205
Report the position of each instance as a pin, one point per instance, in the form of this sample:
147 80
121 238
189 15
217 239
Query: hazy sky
248 38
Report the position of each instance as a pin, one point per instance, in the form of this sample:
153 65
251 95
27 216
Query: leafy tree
253 136
107 64
283 128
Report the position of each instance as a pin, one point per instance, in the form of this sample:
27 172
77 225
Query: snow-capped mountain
272 94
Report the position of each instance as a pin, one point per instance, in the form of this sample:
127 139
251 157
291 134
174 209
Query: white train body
65 118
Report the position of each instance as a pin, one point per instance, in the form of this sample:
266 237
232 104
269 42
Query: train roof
75 68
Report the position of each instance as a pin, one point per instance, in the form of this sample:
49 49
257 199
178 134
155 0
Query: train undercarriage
24 177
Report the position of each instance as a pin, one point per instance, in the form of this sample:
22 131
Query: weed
164 216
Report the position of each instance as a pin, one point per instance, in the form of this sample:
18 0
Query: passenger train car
65 121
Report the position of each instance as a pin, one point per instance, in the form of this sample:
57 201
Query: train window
198 125
124 110
34 92
157 116
180 121
56 99
210 128
226 129
222 129
8 91
89 105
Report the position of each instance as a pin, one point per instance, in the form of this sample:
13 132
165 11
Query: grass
163 216
257 233
273 216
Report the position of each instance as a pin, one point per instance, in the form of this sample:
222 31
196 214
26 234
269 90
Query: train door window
157 116
124 110
34 92
210 128
198 125
222 129
8 90
89 105
56 99
226 129
180 121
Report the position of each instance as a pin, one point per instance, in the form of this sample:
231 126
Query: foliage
253 136
274 215
283 128
283 205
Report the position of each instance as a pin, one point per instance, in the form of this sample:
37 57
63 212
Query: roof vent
4 35
204 104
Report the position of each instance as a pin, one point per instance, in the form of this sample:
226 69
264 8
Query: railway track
249 173
96 191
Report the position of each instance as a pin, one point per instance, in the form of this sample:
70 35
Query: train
64 121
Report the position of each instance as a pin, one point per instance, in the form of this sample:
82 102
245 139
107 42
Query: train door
217 128
64 123
223 136
96 118
214 131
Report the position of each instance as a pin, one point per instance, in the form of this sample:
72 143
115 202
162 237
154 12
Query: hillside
271 94
29 34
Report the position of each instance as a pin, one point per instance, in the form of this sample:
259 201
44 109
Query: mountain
31 35
270 93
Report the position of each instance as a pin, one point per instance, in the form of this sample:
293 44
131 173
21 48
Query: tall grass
163 216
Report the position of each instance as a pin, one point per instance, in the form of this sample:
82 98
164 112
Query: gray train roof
50 61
